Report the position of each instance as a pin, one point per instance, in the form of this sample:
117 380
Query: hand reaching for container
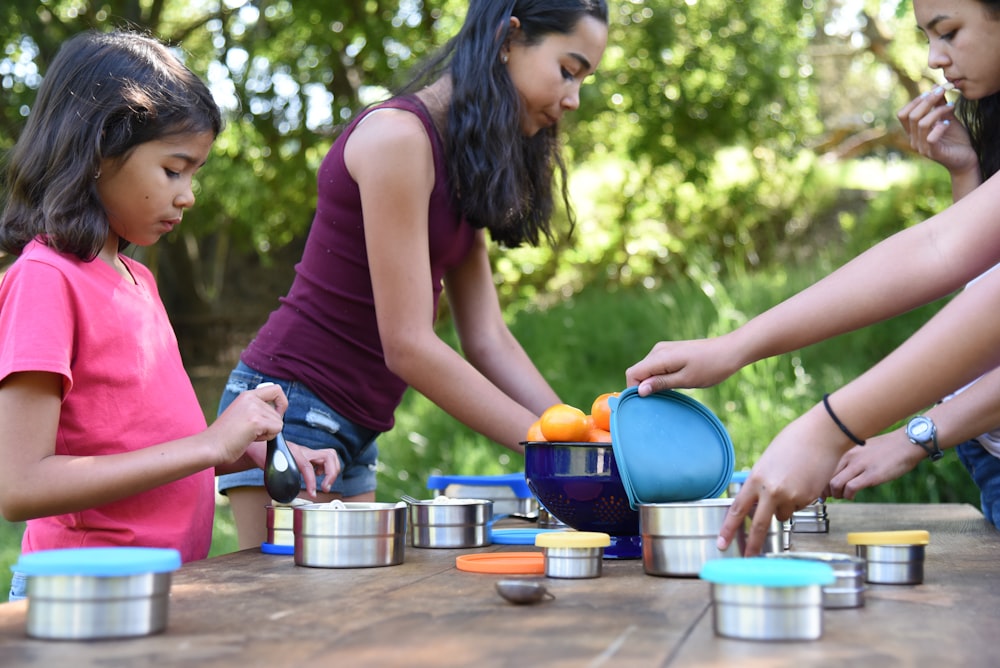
883 458
693 363
792 473
929 122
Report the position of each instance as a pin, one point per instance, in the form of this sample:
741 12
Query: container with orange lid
892 557
573 554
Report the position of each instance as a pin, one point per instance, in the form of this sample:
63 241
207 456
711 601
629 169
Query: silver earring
503 59
97 174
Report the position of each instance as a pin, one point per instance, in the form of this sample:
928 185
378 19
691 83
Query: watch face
920 429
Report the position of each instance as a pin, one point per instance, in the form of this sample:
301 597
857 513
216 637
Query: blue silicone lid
739 476
766 572
669 448
99 561
515 481
517 536
273 548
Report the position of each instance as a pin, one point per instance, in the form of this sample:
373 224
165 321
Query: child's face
548 75
964 43
146 194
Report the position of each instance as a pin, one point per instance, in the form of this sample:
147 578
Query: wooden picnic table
253 609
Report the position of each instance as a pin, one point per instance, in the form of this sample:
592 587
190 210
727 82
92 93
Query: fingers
735 518
310 461
272 394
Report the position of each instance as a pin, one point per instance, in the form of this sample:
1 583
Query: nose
185 198
937 56
571 101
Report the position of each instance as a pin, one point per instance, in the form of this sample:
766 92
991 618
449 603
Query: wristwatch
921 431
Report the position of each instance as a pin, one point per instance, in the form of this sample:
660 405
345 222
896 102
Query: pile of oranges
563 423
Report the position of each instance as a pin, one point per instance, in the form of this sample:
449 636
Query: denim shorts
985 471
18 587
312 424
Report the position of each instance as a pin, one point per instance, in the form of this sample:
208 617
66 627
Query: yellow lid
572 539
914 537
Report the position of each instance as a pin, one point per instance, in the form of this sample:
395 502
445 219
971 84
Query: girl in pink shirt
101 435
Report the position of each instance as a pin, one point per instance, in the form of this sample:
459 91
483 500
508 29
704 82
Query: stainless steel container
450 523
547 520
848 590
98 593
892 557
811 519
509 492
280 525
573 554
678 539
763 599
349 535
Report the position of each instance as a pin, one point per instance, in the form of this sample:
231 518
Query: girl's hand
929 121
671 364
882 458
311 462
791 474
255 415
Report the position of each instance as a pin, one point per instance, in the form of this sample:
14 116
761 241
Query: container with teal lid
97 592
669 447
757 598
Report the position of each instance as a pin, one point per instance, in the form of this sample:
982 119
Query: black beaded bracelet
843 427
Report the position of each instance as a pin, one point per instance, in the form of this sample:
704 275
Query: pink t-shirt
124 388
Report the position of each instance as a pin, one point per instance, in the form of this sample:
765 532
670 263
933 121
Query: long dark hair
103 95
982 117
500 179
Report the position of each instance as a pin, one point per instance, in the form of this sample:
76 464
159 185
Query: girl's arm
973 412
956 346
911 268
36 482
389 156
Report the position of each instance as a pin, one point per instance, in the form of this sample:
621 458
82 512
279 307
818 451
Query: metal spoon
523 592
282 479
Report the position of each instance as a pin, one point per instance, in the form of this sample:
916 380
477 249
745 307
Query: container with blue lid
669 447
509 492
758 598
97 592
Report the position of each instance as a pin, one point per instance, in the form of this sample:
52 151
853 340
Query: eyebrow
934 21
579 57
188 159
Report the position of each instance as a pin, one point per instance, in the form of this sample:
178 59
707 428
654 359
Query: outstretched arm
909 269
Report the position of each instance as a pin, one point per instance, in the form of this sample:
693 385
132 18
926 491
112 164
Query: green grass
583 346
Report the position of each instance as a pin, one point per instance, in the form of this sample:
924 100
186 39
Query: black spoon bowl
282 479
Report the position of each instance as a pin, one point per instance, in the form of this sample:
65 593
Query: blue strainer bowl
669 448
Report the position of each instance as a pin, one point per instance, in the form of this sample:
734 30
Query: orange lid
508 563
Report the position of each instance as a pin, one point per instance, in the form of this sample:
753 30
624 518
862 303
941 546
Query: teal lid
99 561
767 572
669 448
520 536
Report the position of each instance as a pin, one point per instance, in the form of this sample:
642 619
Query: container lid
766 572
740 477
584 539
524 536
669 447
515 481
507 563
99 561
273 548
914 537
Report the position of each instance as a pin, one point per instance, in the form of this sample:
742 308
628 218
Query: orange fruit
601 411
599 436
535 432
564 423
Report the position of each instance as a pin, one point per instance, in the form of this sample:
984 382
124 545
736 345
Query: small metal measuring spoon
282 479
523 591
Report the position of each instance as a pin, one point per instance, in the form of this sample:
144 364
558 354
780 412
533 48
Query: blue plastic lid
273 548
767 572
517 536
99 561
740 476
669 448
515 481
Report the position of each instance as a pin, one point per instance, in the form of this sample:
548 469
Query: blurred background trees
726 153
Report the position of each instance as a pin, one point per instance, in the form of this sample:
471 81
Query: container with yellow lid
573 554
891 557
